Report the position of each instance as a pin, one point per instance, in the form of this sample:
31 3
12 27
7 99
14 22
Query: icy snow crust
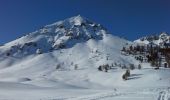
26 75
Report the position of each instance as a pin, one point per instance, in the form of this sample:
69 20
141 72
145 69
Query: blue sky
128 18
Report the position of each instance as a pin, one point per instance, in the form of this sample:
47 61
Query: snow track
112 95
109 96
98 96
164 95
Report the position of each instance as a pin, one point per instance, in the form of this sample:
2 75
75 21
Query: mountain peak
79 17
78 20
62 34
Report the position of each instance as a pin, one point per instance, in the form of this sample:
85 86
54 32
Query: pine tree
126 75
127 72
75 67
132 66
99 68
139 66
165 65
58 66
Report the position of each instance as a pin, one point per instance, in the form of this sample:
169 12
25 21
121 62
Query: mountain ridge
158 39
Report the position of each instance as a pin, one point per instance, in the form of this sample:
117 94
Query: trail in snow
164 95
98 96
112 96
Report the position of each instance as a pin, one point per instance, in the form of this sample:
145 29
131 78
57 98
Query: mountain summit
59 35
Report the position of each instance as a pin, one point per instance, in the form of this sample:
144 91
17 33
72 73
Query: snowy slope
41 66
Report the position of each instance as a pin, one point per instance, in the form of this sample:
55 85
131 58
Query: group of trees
104 68
126 75
150 53
61 66
130 66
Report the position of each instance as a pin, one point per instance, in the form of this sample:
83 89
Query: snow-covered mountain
60 62
158 39
73 39
62 34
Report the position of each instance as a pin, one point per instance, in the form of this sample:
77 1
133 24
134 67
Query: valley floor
83 84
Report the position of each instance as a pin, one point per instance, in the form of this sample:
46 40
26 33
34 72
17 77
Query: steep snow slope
86 55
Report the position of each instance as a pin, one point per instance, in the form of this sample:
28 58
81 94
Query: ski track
164 95
99 96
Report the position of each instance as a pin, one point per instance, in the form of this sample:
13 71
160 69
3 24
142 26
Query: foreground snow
145 84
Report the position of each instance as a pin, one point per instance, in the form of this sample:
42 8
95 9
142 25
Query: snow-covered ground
71 72
90 84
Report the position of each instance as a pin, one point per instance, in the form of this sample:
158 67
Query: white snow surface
26 75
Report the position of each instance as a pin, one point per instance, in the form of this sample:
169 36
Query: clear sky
127 18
